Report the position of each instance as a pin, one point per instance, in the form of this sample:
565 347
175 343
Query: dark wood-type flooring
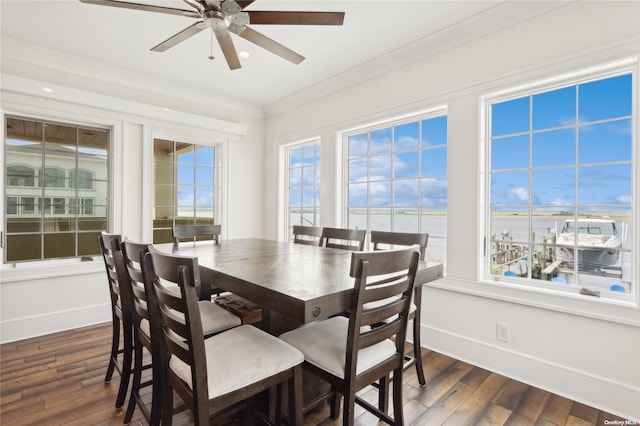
58 379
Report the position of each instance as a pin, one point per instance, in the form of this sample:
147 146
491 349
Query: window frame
44 206
61 267
390 123
218 140
317 167
562 298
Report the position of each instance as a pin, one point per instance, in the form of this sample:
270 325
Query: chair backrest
182 328
121 298
346 239
145 302
382 294
309 235
192 232
382 240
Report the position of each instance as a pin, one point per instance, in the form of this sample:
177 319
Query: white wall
588 352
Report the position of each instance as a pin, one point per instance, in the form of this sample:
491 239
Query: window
52 177
396 179
41 220
82 179
304 184
561 168
186 185
20 176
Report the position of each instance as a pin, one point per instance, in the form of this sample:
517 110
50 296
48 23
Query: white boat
598 243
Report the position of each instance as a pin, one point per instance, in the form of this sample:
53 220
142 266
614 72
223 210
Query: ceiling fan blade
194 4
229 50
271 45
244 3
181 36
143 7
295 18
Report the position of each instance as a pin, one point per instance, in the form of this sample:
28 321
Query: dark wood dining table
300 282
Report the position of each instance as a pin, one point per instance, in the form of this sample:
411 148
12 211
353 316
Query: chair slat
344 239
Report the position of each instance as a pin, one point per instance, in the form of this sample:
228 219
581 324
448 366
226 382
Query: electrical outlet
503 332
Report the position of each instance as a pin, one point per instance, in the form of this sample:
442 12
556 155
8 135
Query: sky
401 166
564 148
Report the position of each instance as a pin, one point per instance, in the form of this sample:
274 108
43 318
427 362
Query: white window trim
39 269
611 307
283 183
343 150
217 140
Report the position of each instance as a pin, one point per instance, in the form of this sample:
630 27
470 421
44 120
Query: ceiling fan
228 16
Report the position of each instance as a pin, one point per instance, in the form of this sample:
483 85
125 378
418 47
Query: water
518 230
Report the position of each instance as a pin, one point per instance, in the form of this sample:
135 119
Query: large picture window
561 170
303 177
57 189
186 184
396 179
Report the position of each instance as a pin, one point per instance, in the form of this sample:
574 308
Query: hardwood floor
59 380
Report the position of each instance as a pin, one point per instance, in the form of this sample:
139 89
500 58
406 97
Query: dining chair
147 330
121 357
194 232
389 240
347 352
216 374
341 238
309 235
147 325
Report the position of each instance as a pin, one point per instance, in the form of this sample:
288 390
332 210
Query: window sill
603 308
29 271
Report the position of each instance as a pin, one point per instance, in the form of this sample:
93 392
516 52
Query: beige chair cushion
215 318
145 327
239 357
324 344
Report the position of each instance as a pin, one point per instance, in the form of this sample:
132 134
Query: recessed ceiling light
47 90
166 109
243 54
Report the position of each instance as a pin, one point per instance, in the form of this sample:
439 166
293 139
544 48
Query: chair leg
157 393
126 365
295 397
115 346
167 399
135 386
278 405
335 403
417 351
383 394
398 416
348 408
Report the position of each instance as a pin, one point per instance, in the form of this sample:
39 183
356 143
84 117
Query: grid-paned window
396 179
304 184
186 182
561 171
43 160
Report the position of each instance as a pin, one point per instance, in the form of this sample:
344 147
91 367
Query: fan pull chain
211 55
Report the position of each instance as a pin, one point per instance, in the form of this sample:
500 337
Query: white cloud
520 193
624 199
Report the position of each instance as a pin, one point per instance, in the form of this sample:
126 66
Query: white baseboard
596 391
39 325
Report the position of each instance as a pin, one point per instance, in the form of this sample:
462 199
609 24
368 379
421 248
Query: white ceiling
376 36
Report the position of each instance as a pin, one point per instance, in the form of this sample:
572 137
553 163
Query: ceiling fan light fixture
243 54
217 21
